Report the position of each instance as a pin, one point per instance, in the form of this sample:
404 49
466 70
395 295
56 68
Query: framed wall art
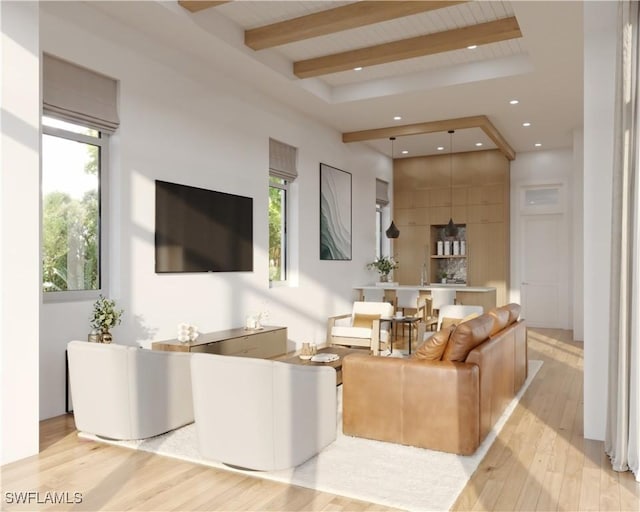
335 213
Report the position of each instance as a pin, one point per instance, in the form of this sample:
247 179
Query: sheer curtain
623 428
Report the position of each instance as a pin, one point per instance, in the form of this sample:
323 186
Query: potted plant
384 265
443 276
105 316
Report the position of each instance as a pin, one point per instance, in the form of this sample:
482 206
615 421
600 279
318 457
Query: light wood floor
540 461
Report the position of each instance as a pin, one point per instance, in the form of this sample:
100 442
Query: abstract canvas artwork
335 213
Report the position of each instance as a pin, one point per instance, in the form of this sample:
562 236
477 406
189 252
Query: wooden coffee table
292 358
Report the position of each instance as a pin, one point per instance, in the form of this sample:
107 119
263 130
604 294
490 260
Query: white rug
385 473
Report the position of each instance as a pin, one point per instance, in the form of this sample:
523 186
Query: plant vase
106 336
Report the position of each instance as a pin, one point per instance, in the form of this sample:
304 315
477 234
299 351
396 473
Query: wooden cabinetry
480 195
263 344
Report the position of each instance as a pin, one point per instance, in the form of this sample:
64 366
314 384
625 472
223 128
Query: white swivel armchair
362 327
123 392
260 414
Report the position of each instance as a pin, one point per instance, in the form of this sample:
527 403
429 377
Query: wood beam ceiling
198 5
444 125
335 20
483 33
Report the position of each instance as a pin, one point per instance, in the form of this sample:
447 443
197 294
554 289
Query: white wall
578 235
19 228
599 77
200 128
552 167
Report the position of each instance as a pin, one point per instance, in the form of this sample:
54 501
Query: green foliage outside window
276 233
70 230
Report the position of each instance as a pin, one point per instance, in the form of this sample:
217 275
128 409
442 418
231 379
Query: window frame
380 229
102 141
285 186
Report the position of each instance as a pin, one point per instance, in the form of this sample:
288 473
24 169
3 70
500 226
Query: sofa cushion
449 322
514 312
467 336
433 348
446 321
363 320
500 319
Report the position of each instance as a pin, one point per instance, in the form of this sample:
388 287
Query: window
73 157
382 200
378 230
278 191
282 172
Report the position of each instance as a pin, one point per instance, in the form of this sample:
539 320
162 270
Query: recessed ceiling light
397 118
440 148
526 124
405 152
472 46
514 102
478 144
537 144
359 68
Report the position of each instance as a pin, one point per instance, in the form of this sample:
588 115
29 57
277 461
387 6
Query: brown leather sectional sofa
447 404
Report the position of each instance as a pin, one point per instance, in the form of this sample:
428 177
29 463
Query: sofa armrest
430 404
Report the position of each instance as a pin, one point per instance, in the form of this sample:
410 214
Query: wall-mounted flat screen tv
200 230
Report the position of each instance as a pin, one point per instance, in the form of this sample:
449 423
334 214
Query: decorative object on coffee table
306 353
105 316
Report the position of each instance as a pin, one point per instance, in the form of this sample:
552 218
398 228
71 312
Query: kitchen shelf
435 256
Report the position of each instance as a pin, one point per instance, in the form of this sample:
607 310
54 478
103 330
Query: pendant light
451 230
392 231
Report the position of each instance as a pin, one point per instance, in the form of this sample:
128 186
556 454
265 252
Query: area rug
384 473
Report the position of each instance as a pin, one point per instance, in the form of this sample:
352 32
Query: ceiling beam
483 33
444 125
357 14
199 5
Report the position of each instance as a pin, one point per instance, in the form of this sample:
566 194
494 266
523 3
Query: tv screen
200 230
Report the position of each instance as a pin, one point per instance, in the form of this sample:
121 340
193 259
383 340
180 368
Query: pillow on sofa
500 319
362 320
514 311
433 348
466 337
446 321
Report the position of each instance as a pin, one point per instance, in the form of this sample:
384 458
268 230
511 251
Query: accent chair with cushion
261 414
123 392
363 327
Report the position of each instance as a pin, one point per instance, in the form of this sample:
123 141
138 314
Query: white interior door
542 271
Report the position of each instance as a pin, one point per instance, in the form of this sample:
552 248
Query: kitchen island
469 295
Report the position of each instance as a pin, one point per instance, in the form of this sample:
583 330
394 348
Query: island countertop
484 296
426 287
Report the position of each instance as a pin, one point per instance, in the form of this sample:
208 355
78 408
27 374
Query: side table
411 320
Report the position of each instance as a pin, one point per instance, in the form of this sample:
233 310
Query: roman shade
282 160
382 192
79 95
